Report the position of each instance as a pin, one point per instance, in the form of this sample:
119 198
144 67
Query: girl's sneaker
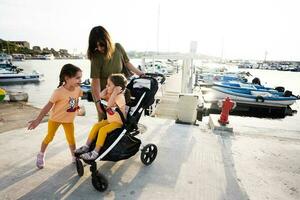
89 155
82 150
40 161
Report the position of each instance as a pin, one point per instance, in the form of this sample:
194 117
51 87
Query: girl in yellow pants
63 106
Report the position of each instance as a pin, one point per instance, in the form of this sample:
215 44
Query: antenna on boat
266 53
222 49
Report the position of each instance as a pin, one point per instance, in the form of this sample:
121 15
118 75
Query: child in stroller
121 143
115 94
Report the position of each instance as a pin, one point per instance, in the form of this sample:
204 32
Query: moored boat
208 79
12 78
252 97
10 74
251 94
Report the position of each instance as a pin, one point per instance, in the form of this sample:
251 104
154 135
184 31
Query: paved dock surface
192 163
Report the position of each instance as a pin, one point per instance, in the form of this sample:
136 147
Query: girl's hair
68 70
120 80
100 35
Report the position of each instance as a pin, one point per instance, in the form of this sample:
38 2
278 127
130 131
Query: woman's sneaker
40 161
81 150
89 155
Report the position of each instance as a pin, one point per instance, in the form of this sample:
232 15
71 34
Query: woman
106 58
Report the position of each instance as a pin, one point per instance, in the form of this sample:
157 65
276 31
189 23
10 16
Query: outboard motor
256 81
280 89
288 93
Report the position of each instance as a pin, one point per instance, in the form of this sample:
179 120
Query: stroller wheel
79 167
99 182
148 154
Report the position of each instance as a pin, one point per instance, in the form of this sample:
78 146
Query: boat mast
157 34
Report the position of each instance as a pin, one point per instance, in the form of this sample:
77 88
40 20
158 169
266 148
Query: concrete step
166 116
165 111
170 102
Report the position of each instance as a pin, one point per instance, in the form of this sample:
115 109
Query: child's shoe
40 161
81 150
89 155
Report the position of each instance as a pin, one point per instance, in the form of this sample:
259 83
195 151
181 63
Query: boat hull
12 78
217 94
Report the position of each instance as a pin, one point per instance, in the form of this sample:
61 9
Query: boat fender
259 99
280 89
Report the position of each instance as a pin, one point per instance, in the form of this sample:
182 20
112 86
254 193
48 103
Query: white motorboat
49 56
5 58
250 94
10 74
7 77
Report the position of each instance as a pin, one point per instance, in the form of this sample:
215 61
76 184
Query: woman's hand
134 69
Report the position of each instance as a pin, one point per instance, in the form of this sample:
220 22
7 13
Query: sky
232 29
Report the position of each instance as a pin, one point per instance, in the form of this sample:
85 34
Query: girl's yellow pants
102 128
52 128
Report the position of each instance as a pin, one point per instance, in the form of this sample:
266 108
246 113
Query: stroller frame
148 152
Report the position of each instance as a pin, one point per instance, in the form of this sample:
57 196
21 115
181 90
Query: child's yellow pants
102 128
52 128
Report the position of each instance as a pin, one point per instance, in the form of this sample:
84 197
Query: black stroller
121 143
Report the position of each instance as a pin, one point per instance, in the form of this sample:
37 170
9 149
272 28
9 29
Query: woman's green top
102 69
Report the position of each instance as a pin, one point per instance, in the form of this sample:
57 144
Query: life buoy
259 99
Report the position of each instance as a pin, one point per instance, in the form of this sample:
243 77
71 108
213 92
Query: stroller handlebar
159 77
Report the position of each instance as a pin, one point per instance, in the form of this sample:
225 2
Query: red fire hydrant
227 105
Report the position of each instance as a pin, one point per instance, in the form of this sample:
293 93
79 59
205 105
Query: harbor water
39 93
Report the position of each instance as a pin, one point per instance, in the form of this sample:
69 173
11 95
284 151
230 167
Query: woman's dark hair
120 80
68 70
100 35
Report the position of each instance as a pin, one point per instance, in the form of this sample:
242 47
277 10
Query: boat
5 58
18 96
49 56
251 94
6 67
208 79
159 67
234 85
18 57
11 74
7 77
86 89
